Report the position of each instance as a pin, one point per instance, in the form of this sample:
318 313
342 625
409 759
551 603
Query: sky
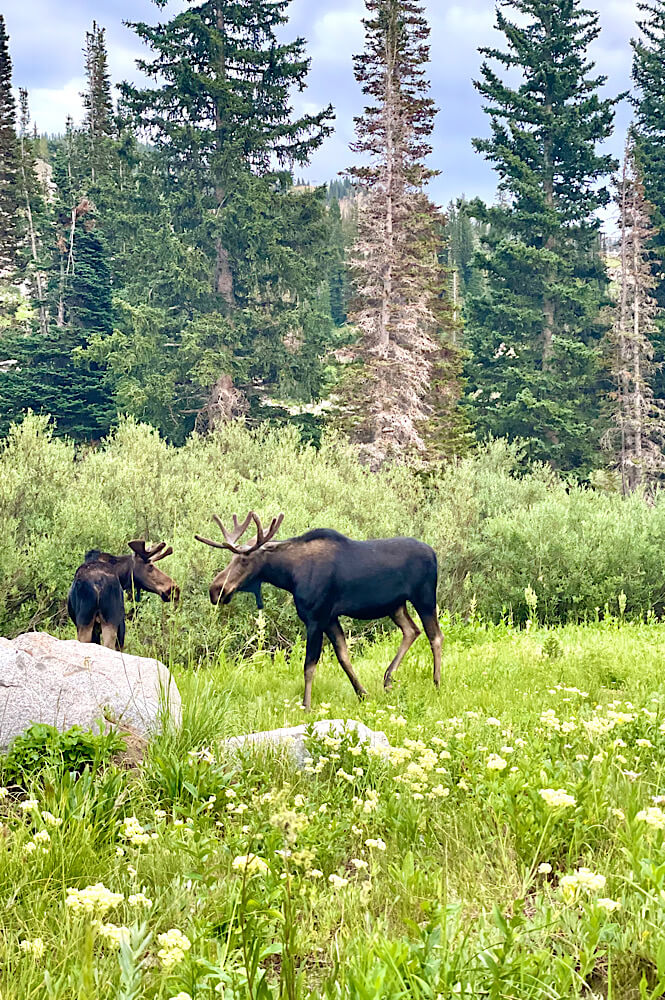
46 41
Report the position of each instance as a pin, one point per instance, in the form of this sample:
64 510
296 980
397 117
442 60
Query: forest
164 259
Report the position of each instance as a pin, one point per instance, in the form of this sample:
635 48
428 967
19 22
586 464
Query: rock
66 683
293 738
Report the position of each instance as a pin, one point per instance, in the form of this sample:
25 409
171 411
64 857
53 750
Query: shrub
44 748
497 531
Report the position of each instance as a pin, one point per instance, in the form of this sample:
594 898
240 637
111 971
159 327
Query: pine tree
53 373
9 162
640 420
649 130
462 238
535 329
396 258
338 279
222 124
97 101
224 106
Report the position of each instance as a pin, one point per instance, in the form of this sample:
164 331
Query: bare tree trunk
60 317
72 232
637 376
389 117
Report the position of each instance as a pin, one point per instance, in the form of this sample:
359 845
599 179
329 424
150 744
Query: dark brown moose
331 575
96 601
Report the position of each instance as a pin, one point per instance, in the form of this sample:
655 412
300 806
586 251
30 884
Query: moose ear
138 546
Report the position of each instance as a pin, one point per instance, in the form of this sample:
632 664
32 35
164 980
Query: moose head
146 576
244 571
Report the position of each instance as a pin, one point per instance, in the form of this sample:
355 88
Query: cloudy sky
46 39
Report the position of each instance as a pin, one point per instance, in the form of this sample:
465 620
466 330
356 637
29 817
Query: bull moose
330 575
96 602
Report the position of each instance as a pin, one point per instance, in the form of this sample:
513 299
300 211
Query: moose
96 602
330 575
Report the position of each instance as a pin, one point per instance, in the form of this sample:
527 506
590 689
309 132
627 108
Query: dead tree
639 418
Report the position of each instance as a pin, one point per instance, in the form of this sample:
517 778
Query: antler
231 538
152 554
263 537
157 554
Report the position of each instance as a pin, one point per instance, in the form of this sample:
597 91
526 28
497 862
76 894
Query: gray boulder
66 683
292 739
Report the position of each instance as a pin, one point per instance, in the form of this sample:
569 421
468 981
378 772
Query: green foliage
535 325
9 159
649 132
43 748
504 536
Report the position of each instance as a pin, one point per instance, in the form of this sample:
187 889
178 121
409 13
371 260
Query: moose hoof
362 694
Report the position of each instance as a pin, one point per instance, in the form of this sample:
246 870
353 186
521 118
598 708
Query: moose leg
109 635
84 632
336 635
312 656
410 633
433 630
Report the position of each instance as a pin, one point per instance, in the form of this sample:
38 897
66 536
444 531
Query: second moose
331 575
96 602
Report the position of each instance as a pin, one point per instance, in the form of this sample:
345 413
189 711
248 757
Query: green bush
44 748
497 531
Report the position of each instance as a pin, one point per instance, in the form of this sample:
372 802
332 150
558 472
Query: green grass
453 906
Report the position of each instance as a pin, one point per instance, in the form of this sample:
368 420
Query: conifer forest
165 259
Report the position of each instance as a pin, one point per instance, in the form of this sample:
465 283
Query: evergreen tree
173 348
9 162
338 279
224 107
462 239
535 328
221 121
52 373
649 130
639 419
97 101
398 395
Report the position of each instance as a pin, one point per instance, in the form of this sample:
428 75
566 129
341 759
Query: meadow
509 845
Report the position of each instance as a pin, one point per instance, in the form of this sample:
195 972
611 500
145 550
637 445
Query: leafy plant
43 748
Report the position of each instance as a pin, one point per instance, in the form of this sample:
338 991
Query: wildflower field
510 844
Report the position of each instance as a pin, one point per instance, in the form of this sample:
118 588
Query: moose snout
217 595
172 595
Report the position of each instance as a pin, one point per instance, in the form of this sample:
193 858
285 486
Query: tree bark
389 117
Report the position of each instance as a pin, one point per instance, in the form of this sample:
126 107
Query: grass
446 860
